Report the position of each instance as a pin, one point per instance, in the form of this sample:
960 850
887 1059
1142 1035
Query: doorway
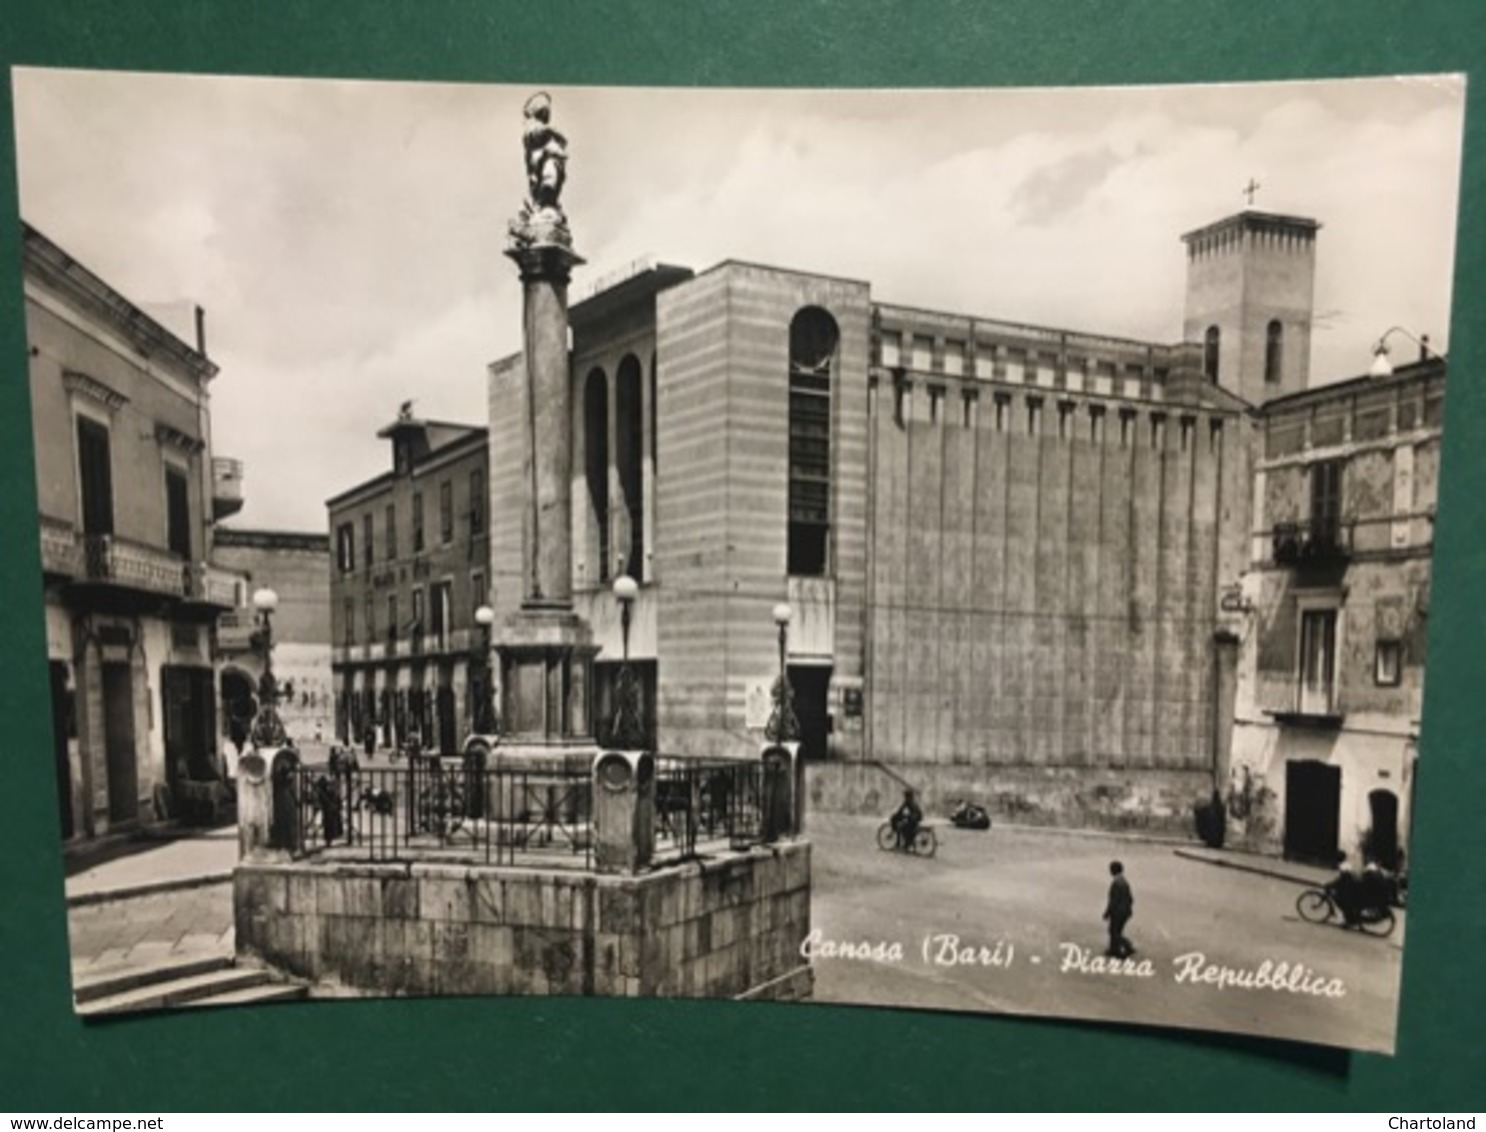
118 743
61 733
1313 792
190 724
1382 841
812 685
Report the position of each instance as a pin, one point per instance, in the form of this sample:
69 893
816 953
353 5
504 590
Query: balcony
59 549
227 487
119 563
210 586
1313 543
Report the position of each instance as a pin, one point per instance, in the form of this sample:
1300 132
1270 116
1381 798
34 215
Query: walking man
1118 912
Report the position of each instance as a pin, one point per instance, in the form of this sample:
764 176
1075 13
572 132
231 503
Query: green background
542 1053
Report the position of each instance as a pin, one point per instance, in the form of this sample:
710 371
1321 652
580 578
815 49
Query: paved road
1040 895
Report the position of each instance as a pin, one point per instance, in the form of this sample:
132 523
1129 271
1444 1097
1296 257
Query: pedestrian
1118 911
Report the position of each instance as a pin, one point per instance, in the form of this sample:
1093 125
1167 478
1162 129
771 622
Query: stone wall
1145 800
724 928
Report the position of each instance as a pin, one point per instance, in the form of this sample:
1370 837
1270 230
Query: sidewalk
1309 876
162 866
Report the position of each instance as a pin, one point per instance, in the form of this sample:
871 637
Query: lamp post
486 718
629 727
783 726
1381 366
268 728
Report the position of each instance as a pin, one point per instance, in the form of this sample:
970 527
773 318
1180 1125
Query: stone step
118 980
177 991
265 992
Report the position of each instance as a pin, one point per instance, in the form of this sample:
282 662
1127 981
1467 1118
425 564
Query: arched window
629 444
1210 354
1274 351
596 460
813 339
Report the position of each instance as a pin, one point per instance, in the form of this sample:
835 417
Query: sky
345 238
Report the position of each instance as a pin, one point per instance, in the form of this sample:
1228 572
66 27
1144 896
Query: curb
1244 867
150 888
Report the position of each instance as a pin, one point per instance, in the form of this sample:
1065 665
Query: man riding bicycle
906 819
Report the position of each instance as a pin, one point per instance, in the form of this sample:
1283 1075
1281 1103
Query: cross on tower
1250 189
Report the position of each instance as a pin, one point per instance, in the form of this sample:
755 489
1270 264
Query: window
366 540
345 547
371 619
1317 661
391 618
1389 664
391 532
418 522
477 501
441 614
1274 351
177 513
596 461
417 627
478 595
348 618
1210 353
1326 504
629 445
446 512
813 339
95 475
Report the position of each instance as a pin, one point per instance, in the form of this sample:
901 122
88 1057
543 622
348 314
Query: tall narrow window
417 522
371 618
177 513
348 621
813 339
1210 353
477 590
391 533
1326 504
1317 661
367 555
1274 351
441 613
95 473
477 501
391 618
629 443
446 512
345 548
596 460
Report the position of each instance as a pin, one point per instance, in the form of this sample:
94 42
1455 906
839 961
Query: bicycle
924 843
1318 906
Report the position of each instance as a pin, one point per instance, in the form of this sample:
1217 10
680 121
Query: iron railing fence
438 808
709 806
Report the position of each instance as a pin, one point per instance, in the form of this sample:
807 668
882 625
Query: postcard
960 550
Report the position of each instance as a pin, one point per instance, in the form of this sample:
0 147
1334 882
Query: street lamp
1381 366
629 728
486 720
783 727
268 728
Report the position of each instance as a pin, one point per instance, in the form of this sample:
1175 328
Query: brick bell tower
1250 301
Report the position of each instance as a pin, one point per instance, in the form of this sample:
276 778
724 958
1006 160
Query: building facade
128 492
296 566
409 568
1021 561
1325 745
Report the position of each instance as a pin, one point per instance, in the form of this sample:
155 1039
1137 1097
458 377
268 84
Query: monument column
546 650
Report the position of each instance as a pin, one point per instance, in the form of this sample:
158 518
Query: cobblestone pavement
147 929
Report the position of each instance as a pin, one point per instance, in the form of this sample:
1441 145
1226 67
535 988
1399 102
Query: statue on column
542 220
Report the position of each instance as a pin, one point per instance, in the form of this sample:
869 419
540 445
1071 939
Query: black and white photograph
961 550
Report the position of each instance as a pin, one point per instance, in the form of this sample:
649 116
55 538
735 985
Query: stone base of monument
729 927
560 873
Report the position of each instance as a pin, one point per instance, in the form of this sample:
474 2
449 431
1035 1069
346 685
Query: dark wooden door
1313 792
118 743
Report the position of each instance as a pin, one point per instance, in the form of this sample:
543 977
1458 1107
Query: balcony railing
132 565
59 550
210 585
1314 542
